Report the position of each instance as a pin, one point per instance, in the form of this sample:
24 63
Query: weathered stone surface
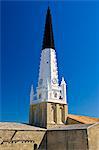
93 137
16 136
1 140
6 135
48 114
35 136
67 137
17 126
17 146
72 137
67 140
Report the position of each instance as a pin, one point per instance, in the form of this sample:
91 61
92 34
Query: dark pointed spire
48 39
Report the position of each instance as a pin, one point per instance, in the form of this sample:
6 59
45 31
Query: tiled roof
83 119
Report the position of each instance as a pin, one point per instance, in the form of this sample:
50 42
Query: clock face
54 81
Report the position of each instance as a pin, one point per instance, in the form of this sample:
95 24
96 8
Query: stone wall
67 137
17 146
56 114
38 114
20 139
93 137
48 114
66 140
72 137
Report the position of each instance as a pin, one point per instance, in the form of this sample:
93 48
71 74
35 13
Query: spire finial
48 39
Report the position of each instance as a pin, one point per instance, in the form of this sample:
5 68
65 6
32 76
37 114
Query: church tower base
48 114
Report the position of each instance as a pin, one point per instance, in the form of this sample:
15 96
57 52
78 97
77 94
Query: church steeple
48 106
48 39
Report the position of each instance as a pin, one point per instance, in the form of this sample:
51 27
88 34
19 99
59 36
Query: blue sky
76 36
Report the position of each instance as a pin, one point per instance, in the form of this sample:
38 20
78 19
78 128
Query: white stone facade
48 88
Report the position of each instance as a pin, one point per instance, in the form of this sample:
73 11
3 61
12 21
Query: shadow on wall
43 144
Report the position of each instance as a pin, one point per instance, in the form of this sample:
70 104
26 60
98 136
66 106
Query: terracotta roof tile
83 119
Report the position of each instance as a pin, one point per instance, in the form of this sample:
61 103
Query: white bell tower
48 86
49 90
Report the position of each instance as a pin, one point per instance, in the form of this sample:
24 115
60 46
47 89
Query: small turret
63 81
63 89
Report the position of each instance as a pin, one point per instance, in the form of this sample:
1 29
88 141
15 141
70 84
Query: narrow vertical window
35 146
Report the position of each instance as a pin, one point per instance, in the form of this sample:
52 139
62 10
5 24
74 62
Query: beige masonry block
6 134
17 146
48 114
93 136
